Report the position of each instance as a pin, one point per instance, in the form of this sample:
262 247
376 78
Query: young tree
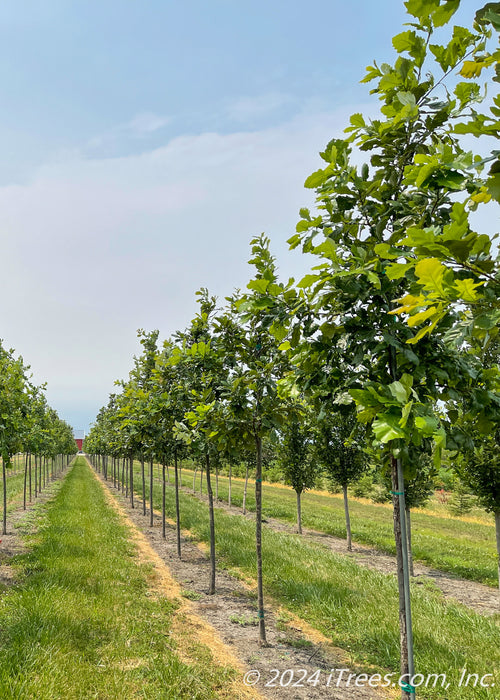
366 216
338 446
295 456
479 468
258 408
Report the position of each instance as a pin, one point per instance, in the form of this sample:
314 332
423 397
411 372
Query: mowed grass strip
355 607
459 547
83 621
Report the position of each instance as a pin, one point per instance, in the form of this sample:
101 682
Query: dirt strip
228 620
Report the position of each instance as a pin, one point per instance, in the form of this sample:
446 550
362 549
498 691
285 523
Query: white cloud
247 109
142 125
146 123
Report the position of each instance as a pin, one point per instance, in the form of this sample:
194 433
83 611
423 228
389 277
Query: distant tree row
29 425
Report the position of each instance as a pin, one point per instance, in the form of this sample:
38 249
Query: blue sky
143 144
73 73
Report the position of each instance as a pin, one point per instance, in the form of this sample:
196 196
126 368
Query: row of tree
398 320
29 425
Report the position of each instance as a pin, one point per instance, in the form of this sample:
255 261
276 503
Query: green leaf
317 179
427 425
308 281
430 272
258 285
386 428
405 414
278 331
397 270
386 251
467 289
399 392
445 12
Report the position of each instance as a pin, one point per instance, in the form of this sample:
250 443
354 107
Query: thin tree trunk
217 480
400 536
347 519
201 481
497 529
408 537
258 538
403 638
177 507
245 492
143 486
194 478
4 480
168 476
126 467
151 492
25 480
132 482
299 512
163 531
229 493
29 469
211 586
36 476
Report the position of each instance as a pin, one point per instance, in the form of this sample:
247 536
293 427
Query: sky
143 145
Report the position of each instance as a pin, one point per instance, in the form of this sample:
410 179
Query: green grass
465 549
82 622
357 608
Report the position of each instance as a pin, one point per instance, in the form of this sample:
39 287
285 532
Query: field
456 545
91 610
354 607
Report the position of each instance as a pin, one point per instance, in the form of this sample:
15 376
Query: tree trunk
217 481
163 531
4 480
347 518
127 473
299 512
36 476
168 475
201 481
151 492
25 480
29 471
408 538
497 529
211 586
245 492
132 482
194 478
258 537
403 635
229 492
177 507
143 476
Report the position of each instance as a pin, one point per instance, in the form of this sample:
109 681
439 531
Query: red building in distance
79 436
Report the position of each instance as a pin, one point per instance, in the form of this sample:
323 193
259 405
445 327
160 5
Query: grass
355 607
462 548
83 622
